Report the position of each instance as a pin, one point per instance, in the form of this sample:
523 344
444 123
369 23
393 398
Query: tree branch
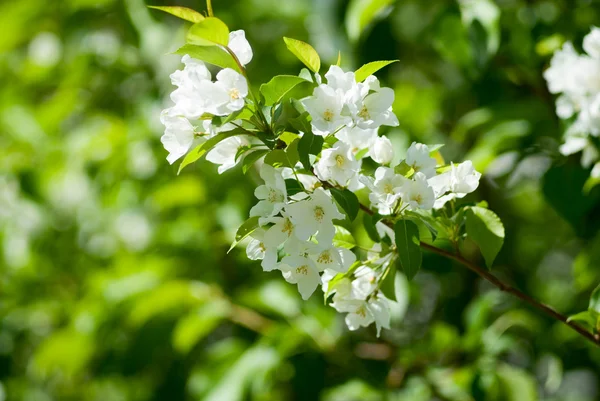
483 273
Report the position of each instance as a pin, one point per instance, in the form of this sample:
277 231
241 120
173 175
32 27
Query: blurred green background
115 282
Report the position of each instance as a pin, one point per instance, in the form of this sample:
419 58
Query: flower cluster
296 227
576 77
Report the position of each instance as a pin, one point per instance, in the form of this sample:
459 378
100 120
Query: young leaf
388 286
251 158
210 54
407 244
347 201
487 231
293 186
588 318
371 68
343 238
210 31
339 60
201 149
595 300
305 53
181 12
369 224
309 144
244 230
274 90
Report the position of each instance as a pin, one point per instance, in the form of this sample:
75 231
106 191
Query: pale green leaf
208 32
214 55
343 238
362 13
274 90
181 12
201 149
305 53
486 230
371 68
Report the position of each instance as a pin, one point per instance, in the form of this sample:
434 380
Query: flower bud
382 151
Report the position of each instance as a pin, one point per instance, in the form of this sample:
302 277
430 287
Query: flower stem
209 8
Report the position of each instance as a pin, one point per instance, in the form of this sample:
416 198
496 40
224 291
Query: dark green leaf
347 201
251 158
486 230
293 186
369 222
388 286
309 144
408 246
595 300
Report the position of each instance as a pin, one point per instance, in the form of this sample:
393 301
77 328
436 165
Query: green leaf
210 54
292 152
251 158
305 53
388 286
369 222
210 31
293 186
408 246
371 68
301 123
339 59
277 158
486 230
197 325
181 12
244 230
343 238
309 144
588 318
347 201
201 149
274 90
595 300
361 13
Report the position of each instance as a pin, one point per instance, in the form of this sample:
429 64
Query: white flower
224 152
461 180
179 134
314 215
373 108
194 83
325 107
340 80
256 248
357 138
365 282
277 234
559 76
382 150
417 156
240 46
333 259
301 270
362 313
272 194
337 164
385 189
591 43
233 88
417 193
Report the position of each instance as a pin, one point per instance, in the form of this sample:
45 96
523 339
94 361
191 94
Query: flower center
328 115
302 270
319 213
325 258
262 247
388 189
339 160
234 94
287 227
361 312
274 196
364 113
417 198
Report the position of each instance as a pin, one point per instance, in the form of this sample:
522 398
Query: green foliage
343 238
305 53
486 230
210 31
371 68
214 55
361 13
206 146
274 90
408 244
347 201
182 12
309 144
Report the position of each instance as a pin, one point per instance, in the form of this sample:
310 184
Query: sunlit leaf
305 53
182 12
208 32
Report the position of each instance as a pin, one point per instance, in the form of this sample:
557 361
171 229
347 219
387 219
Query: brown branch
483 273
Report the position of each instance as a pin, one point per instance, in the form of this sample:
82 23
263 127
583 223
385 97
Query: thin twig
483 273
